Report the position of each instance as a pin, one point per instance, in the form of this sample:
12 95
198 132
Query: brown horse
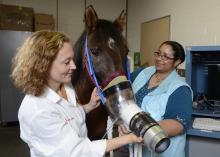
108 51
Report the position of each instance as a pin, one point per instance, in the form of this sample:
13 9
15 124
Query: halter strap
113 75
91 72
127 68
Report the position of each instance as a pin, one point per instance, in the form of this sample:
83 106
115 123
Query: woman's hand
123 130
122 140
94 101
135 139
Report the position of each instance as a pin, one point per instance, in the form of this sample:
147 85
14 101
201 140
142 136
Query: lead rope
139 150
135 150
131 153
110 131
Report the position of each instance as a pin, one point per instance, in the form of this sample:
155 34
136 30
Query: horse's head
106 45
108 51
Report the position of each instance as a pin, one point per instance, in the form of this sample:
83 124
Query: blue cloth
172 99
176 102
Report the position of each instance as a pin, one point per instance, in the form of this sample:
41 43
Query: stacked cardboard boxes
16 18
43 22
23 19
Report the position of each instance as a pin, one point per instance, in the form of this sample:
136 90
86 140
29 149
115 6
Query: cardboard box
43 22
16 18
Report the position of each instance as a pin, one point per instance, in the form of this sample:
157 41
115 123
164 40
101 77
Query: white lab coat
54 127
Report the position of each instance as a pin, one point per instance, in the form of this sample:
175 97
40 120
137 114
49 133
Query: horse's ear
120 22
91 19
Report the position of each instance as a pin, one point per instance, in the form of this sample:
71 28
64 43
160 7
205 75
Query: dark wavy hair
178 50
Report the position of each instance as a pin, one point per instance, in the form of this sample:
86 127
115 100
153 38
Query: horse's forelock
106 29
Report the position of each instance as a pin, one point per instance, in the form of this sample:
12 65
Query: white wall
70 17
193 22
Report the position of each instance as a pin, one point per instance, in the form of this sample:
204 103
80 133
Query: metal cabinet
10 97
203 75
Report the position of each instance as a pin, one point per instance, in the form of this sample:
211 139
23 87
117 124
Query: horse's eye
95 51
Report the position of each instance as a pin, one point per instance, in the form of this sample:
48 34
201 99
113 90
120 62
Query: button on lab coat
55 127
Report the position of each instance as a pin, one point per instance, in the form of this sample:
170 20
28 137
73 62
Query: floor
10 143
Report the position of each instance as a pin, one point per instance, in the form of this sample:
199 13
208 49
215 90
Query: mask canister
122 108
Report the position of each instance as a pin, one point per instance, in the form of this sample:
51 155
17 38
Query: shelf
203 133
207 113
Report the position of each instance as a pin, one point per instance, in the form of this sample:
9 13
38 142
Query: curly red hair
31 64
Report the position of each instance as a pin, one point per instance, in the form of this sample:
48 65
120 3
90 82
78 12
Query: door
153 33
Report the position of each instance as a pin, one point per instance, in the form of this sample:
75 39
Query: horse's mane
78 59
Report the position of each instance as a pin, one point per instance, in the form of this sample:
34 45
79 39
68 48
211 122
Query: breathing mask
122 108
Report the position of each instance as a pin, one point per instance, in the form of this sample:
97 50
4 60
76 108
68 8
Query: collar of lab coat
51 95
54 97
